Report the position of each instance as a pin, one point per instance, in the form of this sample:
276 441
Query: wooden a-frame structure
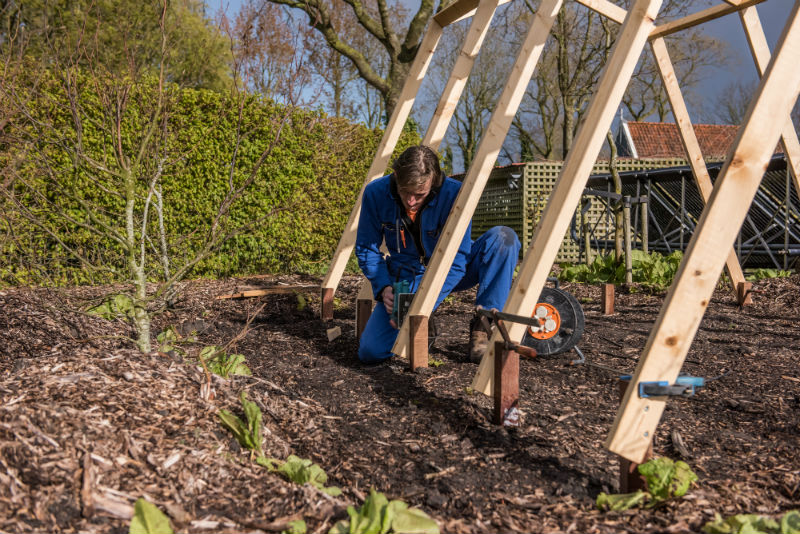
767 121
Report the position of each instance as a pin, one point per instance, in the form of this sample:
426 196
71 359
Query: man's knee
372 350
504 239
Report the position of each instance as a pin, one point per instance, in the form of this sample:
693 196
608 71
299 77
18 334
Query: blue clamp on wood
684 386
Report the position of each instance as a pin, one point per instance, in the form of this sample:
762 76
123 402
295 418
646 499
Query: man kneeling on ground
408 209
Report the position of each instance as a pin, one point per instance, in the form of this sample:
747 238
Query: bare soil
88 424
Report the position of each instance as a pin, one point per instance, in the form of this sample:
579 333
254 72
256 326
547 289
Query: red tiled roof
662 140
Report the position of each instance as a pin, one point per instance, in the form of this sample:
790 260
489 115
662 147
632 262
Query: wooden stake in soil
629 478
326 311
418 330
364 304
607 299
506 391
743 293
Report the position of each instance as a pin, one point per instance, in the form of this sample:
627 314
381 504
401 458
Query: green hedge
297 205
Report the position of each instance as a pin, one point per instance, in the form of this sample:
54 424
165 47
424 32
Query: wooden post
697 276
743 296
587 238
629 478
482 165
364 305
607 299
418 355
506 394
645 234
566 194
326 309
626 225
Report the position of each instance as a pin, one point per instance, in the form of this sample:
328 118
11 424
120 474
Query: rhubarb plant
248 434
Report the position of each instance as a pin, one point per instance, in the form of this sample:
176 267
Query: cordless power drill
402 301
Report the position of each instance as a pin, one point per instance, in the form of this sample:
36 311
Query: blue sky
739 64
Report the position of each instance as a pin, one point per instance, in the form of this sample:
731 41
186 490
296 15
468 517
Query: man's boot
478 340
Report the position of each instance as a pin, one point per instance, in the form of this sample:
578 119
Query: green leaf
148 519
742 524
666 479
620 502
301 302
790 523
298 526
302 471
414 521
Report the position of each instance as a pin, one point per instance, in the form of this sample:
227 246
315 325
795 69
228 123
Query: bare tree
115 132
569 71
380 23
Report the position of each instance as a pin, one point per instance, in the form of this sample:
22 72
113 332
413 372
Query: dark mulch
88 424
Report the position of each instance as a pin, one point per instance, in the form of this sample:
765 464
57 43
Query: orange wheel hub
549 321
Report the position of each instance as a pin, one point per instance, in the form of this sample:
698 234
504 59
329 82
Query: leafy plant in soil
760 274
114 306
665 480
247 434
378 515
301 471
654 270
148 519
754 524
223 364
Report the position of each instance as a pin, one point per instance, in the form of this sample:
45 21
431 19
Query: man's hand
387 296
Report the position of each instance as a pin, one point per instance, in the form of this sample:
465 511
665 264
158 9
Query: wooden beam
761 54
716 231
700 17
575 172
460 73
606 8
689 140
478 173
267 291
460 10
389 140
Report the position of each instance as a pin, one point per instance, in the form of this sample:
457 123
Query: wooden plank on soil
575 172
478 173
389 140
275 290
697 276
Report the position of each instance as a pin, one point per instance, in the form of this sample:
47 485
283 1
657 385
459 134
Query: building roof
646 140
